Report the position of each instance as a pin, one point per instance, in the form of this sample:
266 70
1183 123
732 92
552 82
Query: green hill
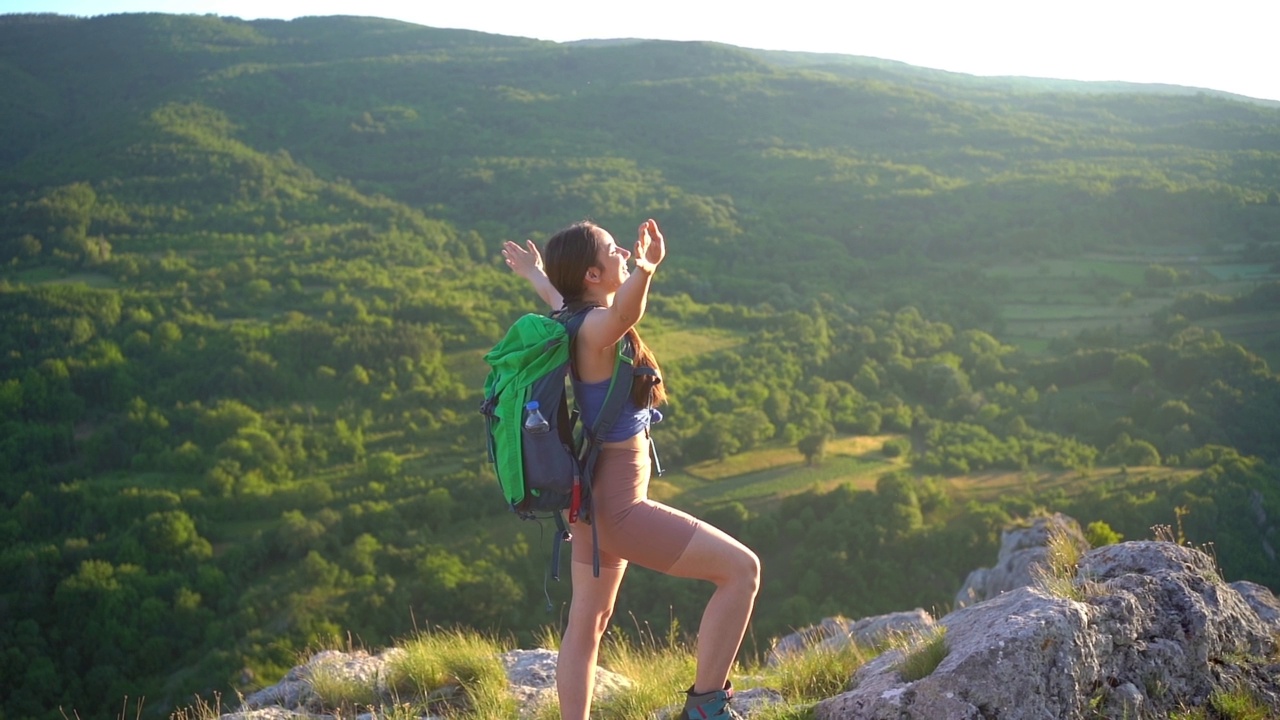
249 269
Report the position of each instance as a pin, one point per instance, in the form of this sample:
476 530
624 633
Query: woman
586 268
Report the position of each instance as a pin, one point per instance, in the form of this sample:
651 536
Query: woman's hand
525 261
650 247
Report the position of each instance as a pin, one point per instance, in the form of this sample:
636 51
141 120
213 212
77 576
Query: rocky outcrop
836 632
1148 628
531 673
1134 630
1021 549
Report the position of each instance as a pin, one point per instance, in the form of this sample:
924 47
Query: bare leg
589 613
715 556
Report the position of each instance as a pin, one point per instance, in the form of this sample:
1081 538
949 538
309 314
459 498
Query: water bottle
533 420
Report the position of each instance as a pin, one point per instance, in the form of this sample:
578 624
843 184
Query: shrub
895 447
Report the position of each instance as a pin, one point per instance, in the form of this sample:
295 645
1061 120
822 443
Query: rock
1151 628
1263 602
1020 549
295 690
1138 629
874 631
532 674
834 633
268 713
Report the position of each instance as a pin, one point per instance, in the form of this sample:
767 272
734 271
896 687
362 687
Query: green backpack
545 470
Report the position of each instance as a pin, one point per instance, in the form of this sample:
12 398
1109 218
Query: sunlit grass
923 652
816 672
340 692
1056 575
776 456
775 483
201 709
684 343
454 674
659 669
1226 704
459 675
548 637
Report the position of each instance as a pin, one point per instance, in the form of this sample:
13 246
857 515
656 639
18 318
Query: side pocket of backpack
549 470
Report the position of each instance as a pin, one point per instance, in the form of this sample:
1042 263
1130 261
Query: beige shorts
630 526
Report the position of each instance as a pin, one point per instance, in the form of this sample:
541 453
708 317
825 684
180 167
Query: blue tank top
632 421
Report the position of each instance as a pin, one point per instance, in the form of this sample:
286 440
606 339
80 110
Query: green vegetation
1227 704
1057 574
248 269
923 654
659 669
817 672
450 674
458 674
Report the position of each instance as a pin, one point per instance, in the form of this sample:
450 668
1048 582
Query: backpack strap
614 400
624 372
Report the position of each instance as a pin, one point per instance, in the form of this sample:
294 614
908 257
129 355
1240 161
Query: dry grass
923 652
458 673
816 672
1056 575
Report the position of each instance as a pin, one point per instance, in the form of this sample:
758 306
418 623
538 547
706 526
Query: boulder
532 674
1021 548
833 633
1137 630
1148 628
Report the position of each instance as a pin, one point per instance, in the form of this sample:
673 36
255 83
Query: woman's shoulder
598 324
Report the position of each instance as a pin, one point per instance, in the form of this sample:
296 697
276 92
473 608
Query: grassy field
1060 298
59 276
761 477
680 343
1260 332
990 486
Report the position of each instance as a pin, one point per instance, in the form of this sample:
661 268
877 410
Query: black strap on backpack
624 372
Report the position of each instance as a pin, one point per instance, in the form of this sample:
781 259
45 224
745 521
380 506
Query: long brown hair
569 254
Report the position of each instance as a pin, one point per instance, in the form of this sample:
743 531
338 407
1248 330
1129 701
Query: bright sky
1226 45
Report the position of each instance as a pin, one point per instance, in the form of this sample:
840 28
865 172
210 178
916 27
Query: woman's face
611 261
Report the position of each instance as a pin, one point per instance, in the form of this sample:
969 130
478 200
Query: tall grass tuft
923 652
1056 575
816 672
456 674
341 692
1166 533
548 637
1226 704
660 669
201 710
1238 704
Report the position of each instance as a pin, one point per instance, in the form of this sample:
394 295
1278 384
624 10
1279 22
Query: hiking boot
712 705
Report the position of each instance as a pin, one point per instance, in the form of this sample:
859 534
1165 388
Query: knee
591 620
741 570
748 570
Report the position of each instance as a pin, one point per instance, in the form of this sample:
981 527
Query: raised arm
632 298
527 263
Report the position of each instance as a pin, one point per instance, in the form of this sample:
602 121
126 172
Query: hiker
586 268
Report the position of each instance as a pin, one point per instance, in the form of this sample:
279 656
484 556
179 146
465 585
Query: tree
1099 533
1128 370
899 505
813 446
383 466
1161 276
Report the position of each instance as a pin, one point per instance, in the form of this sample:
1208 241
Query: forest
248 271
